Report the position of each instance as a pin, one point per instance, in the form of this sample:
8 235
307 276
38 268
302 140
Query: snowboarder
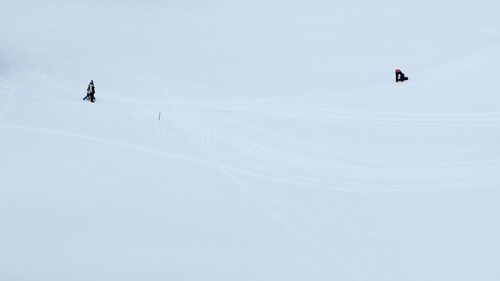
400 76
90 92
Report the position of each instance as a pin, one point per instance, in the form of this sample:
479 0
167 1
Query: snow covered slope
285 151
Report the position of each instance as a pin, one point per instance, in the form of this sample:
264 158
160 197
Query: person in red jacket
400 76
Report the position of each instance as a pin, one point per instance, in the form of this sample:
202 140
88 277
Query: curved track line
106 141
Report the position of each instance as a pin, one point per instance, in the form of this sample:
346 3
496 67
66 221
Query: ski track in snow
382 236
218 132
278 107
104 141
251 195
276 176
252 148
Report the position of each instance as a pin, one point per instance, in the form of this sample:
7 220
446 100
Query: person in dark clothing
90 92
400 76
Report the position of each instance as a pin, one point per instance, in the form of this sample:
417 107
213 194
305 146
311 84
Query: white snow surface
285 150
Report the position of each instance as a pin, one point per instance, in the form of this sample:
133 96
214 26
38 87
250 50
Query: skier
400 76
90 92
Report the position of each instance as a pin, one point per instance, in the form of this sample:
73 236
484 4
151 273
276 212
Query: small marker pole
159 116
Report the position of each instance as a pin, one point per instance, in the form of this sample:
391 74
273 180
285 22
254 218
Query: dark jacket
400 76
91 89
